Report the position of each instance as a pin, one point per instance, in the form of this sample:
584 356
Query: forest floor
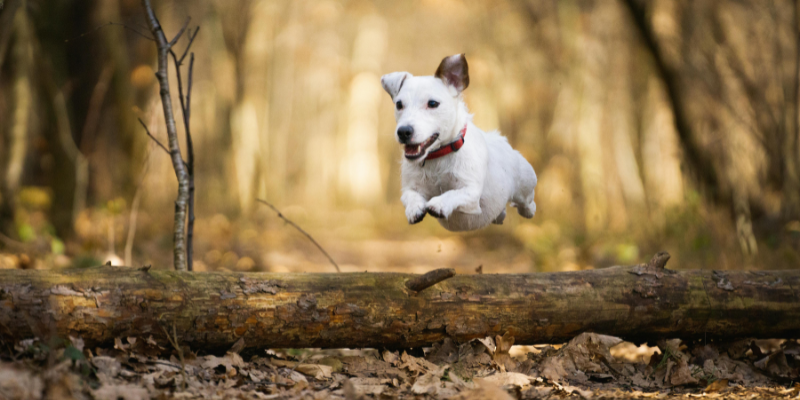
362 241
590 366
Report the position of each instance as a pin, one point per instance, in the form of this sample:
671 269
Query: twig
288 221
429 279
174 344
153 137
37 246
659 261
89 32
188 46
180 33
13 243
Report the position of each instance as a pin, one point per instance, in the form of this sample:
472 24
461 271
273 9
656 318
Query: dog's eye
399 105
433 104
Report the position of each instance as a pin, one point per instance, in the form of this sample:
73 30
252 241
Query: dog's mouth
414 151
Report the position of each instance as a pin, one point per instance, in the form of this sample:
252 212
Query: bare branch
180 33
91 31
288 221
153 137
188 46
180 167
429 279
13 243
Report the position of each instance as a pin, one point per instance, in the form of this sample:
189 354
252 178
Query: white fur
471 187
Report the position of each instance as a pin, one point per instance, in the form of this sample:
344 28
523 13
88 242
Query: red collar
448 148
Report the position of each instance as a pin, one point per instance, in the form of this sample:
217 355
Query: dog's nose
404 133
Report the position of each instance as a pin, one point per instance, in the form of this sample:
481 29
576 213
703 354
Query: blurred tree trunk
589 132
282 97
359 174
791 145
68 177
129 142
701 165
70 166
249 111
17 130
7 15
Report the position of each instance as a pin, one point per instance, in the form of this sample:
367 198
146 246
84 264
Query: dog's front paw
439 208
415 214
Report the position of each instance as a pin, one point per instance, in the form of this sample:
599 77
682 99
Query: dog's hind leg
525 206
500 218
526 211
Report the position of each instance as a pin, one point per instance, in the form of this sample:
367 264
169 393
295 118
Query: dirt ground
591 366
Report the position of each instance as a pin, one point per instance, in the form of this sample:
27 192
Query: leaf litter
136 368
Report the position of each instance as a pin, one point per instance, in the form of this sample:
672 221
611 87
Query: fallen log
213 310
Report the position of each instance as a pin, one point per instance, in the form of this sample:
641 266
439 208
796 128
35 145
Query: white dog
453 170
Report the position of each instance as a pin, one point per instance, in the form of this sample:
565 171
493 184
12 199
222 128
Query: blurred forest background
653 125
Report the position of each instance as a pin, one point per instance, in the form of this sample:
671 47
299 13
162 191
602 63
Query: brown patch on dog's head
453 71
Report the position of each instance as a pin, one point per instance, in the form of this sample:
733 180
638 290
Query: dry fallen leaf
484 392
506 379
391 357
552 370
681 374
429 383
444 352
230 361
19 384
716 386
586 394
238 346
124 392
586 353
369 390
501 356
316 371
488 342
107 368
775 363
416 365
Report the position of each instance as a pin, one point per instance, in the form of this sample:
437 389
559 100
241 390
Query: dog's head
426 107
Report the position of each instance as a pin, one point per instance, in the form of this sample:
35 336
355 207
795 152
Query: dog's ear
392 83
453 71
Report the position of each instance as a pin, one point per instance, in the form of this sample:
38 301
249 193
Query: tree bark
213 310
